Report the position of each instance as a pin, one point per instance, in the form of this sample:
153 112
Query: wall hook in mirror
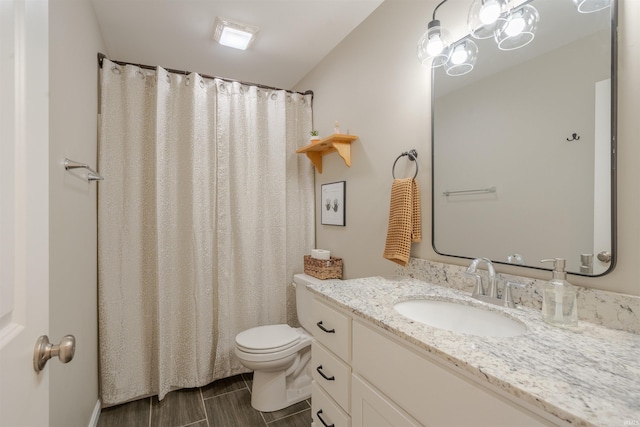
574 137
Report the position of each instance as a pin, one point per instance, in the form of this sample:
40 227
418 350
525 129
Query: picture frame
332 203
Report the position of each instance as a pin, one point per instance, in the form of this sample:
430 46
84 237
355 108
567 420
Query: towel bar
91 176
463 192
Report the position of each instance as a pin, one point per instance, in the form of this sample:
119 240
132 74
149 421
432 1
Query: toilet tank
304 298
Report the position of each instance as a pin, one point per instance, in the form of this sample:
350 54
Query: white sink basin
461 318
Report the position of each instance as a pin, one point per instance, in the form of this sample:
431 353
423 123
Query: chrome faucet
492 291
491 296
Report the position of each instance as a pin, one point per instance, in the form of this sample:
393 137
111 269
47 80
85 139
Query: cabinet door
369 408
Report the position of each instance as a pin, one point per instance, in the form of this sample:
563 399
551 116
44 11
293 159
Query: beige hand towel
404 220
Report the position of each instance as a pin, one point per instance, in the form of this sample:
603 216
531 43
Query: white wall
74 41
373 84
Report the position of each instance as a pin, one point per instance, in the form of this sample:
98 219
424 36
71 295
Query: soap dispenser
559 303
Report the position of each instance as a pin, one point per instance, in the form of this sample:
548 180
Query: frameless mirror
524 146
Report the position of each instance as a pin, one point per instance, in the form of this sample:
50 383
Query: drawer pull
331 378
323 421
321 326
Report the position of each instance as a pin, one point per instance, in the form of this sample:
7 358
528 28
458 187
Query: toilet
279 356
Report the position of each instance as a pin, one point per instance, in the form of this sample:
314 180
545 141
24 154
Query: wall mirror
524 146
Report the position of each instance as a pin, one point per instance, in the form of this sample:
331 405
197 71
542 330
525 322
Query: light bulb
490 12
435 45
515 26
459 55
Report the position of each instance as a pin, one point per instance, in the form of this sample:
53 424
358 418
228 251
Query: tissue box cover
322 268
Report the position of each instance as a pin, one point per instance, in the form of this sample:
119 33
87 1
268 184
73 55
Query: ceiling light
234 34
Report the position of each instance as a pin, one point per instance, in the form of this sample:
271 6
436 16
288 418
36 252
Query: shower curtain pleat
204 216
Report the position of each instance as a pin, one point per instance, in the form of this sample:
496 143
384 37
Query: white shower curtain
204 216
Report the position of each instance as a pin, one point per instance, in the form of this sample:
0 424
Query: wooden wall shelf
336 142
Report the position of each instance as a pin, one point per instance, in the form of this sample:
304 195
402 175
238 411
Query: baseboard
96 415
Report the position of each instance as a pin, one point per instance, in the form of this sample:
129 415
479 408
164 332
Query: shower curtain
204 216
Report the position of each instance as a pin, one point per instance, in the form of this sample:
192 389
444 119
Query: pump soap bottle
559 303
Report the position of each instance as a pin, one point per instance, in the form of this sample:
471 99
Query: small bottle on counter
336 127
559 298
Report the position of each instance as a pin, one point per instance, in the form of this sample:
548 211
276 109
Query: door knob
44 351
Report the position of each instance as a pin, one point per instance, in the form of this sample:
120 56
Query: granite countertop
588 375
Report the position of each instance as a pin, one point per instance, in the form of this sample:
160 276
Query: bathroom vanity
374 367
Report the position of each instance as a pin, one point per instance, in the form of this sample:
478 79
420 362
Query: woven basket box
323 268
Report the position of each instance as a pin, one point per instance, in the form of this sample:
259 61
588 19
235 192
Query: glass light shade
484 17
433 45
518 29
462 58
589 6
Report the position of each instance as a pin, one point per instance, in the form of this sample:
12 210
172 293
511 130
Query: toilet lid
267 339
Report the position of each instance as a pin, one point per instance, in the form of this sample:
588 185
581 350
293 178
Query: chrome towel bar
463 192
91 176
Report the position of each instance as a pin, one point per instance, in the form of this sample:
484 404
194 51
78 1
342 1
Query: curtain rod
102 57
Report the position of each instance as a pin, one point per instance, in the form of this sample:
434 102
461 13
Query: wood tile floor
223 403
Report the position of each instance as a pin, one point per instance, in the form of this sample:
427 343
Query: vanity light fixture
234 34
512 28
589 6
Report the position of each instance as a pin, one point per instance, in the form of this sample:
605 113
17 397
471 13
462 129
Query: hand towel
404 220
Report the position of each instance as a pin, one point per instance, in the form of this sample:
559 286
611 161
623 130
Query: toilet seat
267 339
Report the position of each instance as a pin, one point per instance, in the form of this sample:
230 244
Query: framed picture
332 203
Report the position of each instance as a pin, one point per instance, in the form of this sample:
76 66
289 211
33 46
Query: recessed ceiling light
234 34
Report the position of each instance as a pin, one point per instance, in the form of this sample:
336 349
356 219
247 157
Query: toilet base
272 391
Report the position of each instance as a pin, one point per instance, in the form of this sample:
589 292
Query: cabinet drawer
428 391
324 411
332 374
332 329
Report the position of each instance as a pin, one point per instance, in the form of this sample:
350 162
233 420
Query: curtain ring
187 81
201 83
413 155
116 70
139 73
274 96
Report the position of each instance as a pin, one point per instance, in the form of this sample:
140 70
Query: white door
24 209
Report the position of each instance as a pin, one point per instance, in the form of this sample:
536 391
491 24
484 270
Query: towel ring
413 155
